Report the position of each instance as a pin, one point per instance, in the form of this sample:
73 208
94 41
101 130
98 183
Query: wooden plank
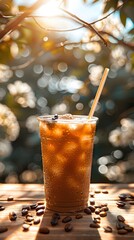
31 193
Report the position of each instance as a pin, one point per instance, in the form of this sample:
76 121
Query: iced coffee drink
67 146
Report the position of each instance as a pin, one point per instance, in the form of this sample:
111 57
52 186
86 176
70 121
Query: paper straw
99 91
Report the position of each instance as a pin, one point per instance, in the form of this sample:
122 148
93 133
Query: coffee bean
10 198
104 209
33 206
54 221
56 215
103 214
87 211
92 201
122 196
36 220
26 207
97 191
104 204
97 211
2 208
40 207
108 229
24 212
78 216
97 206
131 202
40 203
120 204
94 225
96 220
40 212
119 225
128 228
66 219
91 194
68 227
12 216
44 230
25 227
104 191
92 208
3 229
120 218
122 231
29 218
29 223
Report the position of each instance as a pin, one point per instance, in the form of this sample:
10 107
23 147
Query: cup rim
49 118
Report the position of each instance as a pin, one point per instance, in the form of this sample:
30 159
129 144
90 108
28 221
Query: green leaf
123 18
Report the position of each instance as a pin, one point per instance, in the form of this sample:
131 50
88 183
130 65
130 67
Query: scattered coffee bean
12 216
44 230
94 225
97 206
97 191
68 227
91 194
78 216
40 203
104 204
103 214
97 211
92 201
10 198
92 208
66 219
131 196
24 212
29 223
56 215
25 227
123 196
122 231
3 229
40 212
33 206
128 228
26 207
119 225
131 202
40 207
2 208
120 218
108 229
87 211
104 209
120 204
104 191
95 220
29 218
36 220
54 221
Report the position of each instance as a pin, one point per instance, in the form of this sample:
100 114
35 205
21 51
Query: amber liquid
67 159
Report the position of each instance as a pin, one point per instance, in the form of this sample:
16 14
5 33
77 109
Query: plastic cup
67 149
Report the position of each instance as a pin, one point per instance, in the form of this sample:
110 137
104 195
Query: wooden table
26 194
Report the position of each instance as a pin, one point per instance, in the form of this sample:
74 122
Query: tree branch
85 24
12 25
120 41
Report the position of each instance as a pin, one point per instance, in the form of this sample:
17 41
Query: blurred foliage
42 72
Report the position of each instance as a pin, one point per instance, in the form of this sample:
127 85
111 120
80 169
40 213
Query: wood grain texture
26 194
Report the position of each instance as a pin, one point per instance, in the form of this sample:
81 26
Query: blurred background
52 62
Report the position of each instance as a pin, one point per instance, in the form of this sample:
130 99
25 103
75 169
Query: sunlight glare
49 9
